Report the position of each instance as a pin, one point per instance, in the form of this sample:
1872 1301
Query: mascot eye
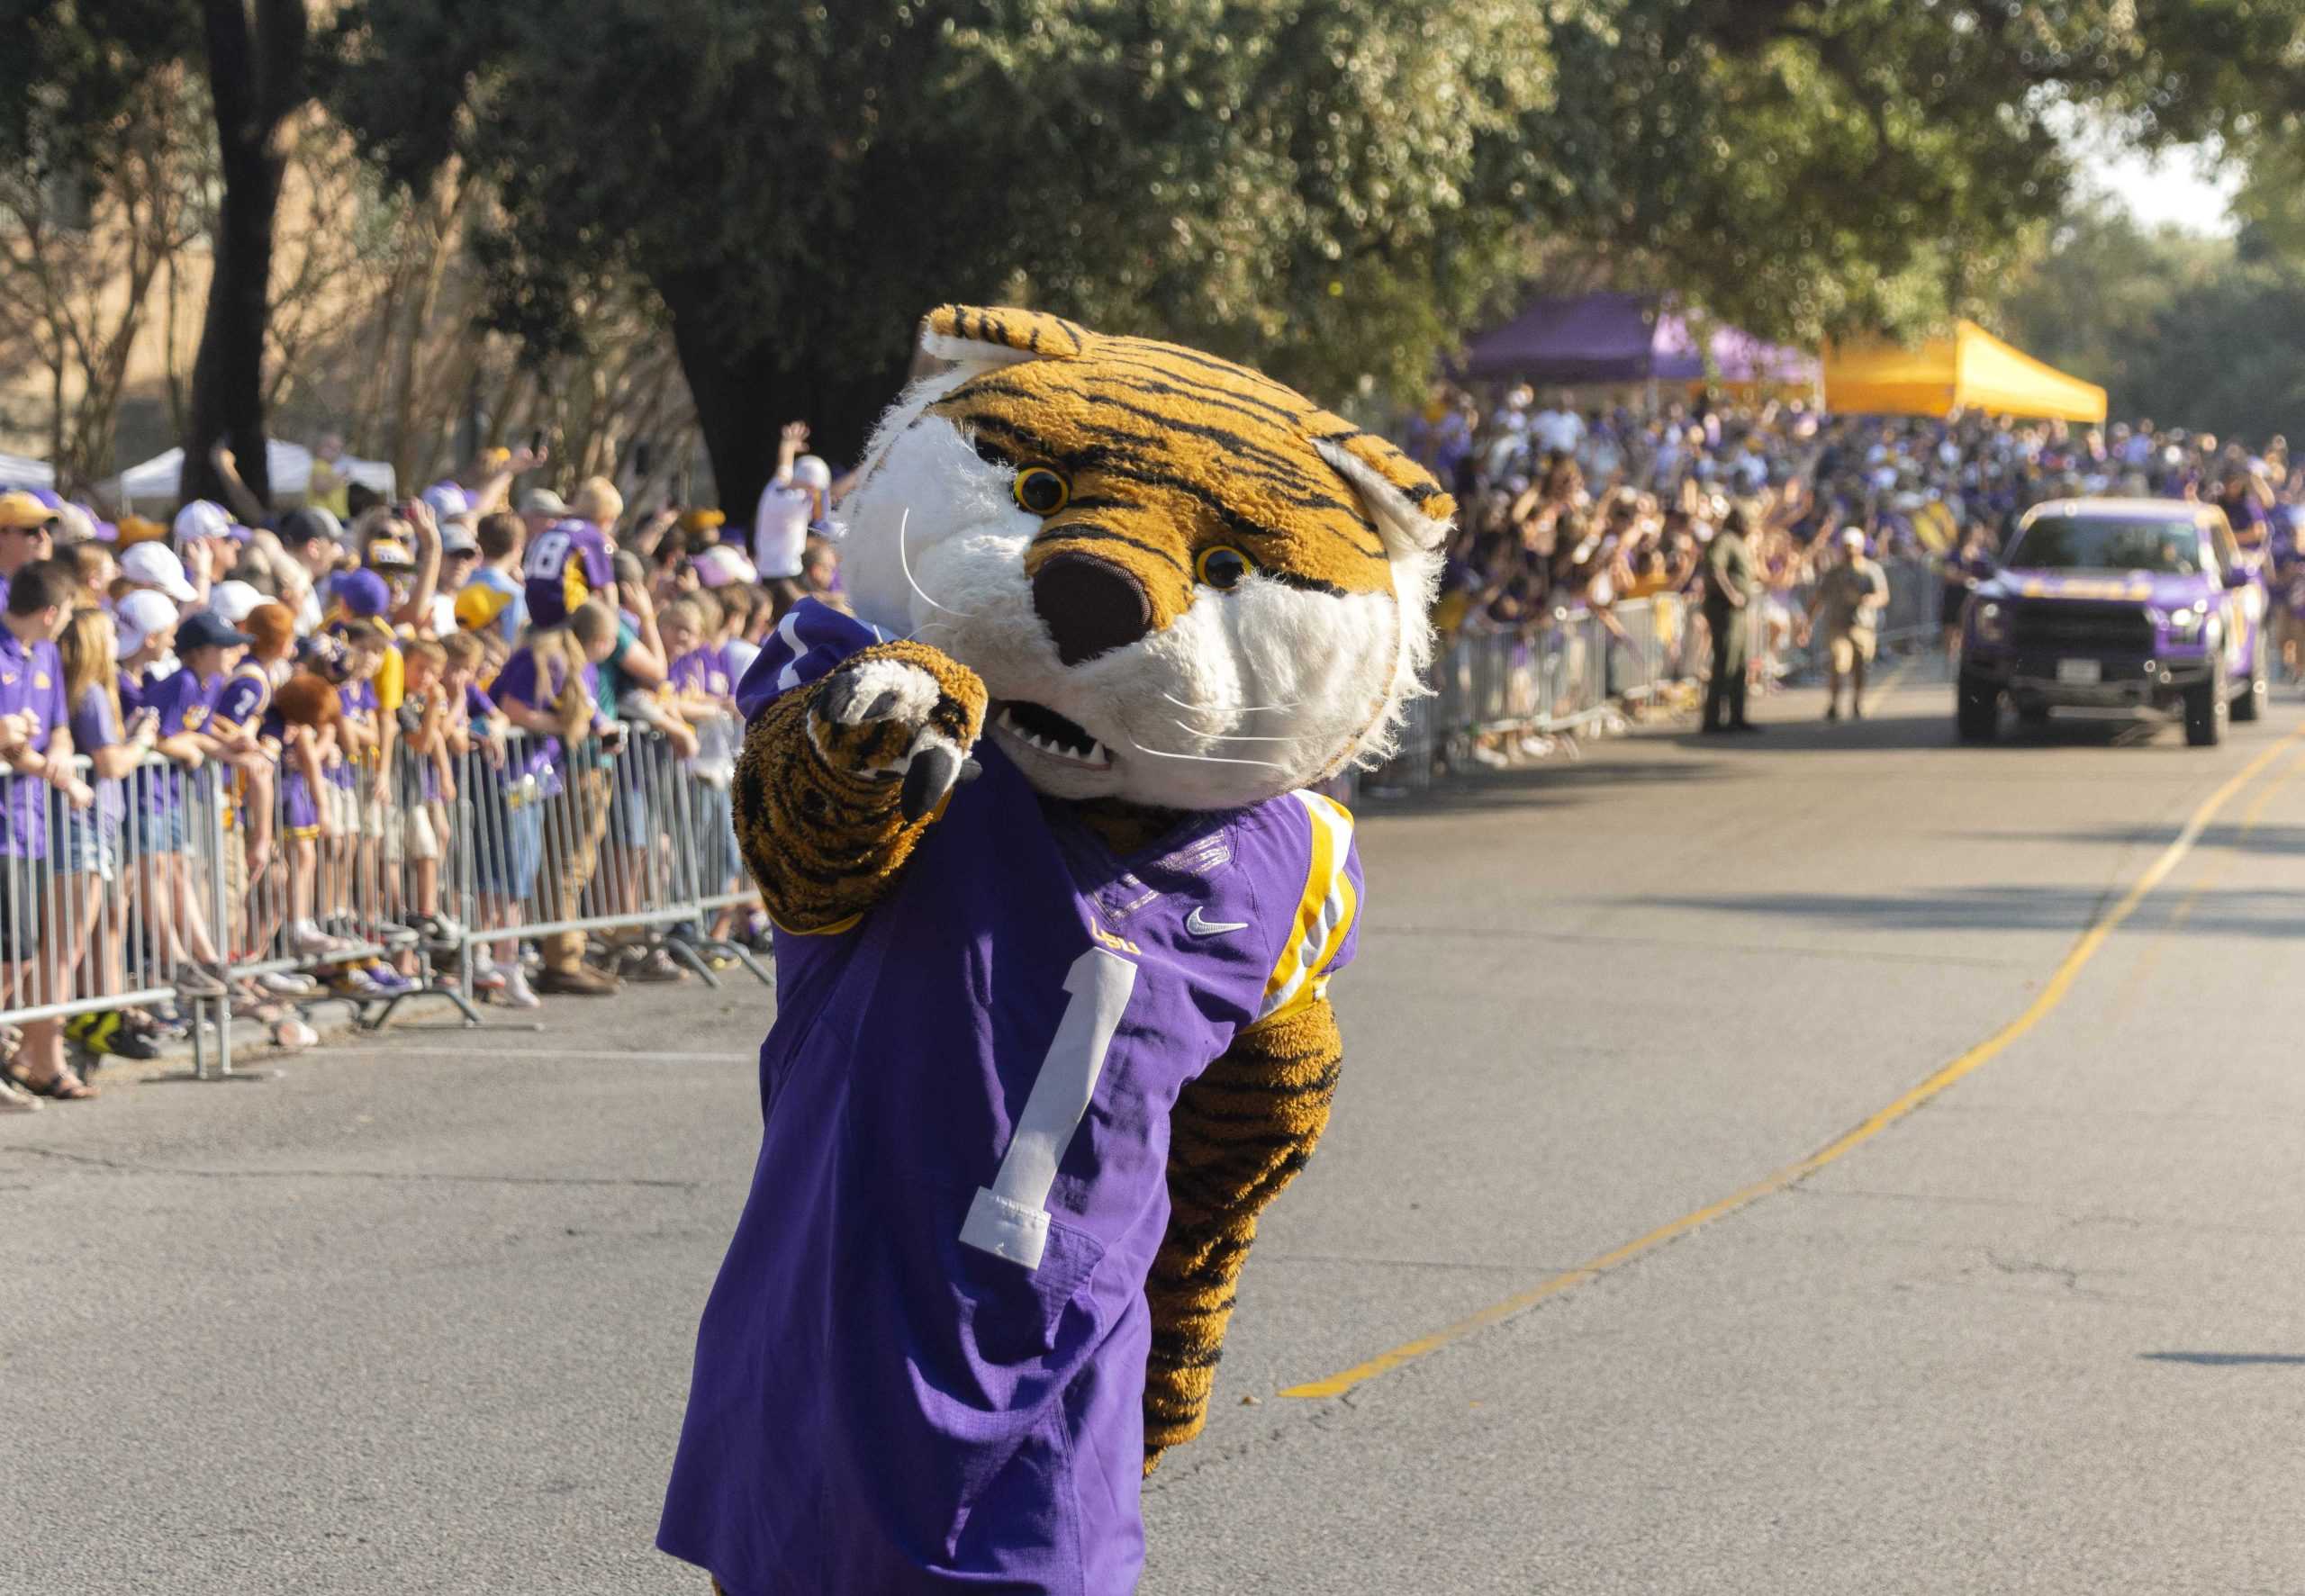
1223 567
1041 491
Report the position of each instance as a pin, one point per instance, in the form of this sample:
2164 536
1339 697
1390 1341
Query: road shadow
1880 733
2227 1360
2243 911
2271 840
1555 781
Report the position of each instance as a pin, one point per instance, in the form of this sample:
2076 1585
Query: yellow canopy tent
1972 369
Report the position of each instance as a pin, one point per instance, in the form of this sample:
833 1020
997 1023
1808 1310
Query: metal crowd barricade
557 843
322 863
107 906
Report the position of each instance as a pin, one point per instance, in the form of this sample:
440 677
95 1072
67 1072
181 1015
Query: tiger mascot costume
1055 918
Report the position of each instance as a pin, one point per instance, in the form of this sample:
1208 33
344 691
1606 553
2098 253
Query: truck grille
2068 628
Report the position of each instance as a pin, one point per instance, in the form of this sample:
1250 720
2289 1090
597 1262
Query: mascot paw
903 712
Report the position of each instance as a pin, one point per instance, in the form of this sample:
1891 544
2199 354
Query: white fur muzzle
1248 694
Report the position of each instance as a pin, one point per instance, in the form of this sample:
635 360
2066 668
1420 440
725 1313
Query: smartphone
536 440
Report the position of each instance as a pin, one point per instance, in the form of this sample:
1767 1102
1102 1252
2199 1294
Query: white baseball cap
155 565
810 472
138 616
1852 536
202 518
448 500
233 600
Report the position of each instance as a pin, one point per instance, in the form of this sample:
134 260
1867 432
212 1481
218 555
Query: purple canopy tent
1737 357
1622 338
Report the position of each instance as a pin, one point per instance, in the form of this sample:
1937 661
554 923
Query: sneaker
354 980
281 983
579 982
305 940
111 1035
125 1043
387 979
293 1036
197 980
488 977
656 965
517 990
14 1099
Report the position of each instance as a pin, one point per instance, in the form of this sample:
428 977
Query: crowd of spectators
340 666
1575 510
336 670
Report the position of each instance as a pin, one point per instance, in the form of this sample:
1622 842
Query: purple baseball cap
363 593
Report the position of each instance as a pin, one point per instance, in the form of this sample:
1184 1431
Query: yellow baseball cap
22 509
479 607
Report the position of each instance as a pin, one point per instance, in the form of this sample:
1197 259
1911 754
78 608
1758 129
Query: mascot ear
966 335
1411 511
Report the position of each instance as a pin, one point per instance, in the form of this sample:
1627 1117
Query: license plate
2081 672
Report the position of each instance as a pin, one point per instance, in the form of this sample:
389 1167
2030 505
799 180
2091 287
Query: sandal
64 1086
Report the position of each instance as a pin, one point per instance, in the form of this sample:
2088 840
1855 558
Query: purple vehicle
2117 604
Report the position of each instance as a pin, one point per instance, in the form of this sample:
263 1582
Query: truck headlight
1991 622
2188 625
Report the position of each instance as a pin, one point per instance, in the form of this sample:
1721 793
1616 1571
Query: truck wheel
1976 709
2251 704
2205 711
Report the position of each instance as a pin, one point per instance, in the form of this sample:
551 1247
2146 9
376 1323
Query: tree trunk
255 80
745 396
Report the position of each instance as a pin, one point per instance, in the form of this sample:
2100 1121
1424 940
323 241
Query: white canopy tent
16 471
290 469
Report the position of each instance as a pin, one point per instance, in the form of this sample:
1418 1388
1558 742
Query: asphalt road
416 1316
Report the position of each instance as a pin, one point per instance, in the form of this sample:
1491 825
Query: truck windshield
2107 543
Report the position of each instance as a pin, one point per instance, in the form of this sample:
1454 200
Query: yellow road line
2052 993
2133 990
1889 683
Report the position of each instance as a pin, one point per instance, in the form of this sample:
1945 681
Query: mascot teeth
1047 730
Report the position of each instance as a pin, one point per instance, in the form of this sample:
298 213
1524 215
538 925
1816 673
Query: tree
254 57
76 70
83 243
797 186
2192 331
1333 188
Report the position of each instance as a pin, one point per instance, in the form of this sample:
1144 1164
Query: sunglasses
45 530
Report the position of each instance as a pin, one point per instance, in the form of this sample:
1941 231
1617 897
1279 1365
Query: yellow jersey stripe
1309 901
1324 912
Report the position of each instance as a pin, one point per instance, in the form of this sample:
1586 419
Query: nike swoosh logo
1200 927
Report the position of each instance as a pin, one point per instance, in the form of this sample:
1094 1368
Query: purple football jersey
922 1368
569 562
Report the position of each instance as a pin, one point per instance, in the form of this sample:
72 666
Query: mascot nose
1089 606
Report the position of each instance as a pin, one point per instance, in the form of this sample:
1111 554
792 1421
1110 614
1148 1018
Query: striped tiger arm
1239 1133
829 793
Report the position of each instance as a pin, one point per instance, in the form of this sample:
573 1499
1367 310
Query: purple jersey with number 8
568 563
922 1367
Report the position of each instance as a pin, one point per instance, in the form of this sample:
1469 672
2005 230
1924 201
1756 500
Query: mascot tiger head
1183 584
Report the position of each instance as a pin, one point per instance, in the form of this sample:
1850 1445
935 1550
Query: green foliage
2191 331
74 70
1286 180
1334 189
1808 168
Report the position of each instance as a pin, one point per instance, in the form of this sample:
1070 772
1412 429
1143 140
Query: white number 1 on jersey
1009 1218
